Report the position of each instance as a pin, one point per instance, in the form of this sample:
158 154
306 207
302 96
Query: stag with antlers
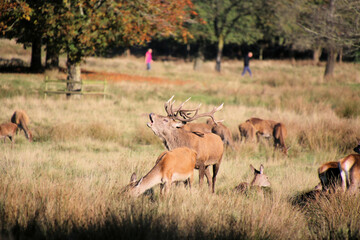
208 146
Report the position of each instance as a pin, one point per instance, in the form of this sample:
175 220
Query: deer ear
252 168
261 169
133 177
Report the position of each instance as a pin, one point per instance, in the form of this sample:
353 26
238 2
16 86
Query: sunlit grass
67 183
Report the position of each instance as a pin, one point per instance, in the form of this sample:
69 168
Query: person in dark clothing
246 64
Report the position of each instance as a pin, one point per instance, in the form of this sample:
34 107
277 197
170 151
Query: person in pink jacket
148 59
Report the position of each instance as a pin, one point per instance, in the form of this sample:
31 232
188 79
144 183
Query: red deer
208 146
262 127
21 119
247 131
279 135
260 180
175 165
221 130
8 130
349 168
329 175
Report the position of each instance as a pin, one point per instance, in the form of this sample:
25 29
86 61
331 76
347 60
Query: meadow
67 183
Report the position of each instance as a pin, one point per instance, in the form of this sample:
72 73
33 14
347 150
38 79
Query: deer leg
215 171
162 185
208 176
167 187
201 174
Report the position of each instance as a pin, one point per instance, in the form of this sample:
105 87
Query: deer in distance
259 181
8 130
279 135
208 146
247 131
21 119
349 167
171 166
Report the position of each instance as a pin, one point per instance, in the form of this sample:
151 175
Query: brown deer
259 181
208 146
279 134
21 119
8 130
175 165
349 168
329 175
197 127
221 130
262 127
247 131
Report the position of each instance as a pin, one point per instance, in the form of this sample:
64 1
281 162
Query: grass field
67 183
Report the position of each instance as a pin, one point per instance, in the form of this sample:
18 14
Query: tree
315 24
21 19
227 21
81 28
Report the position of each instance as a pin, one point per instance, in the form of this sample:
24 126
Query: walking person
148 59
246 64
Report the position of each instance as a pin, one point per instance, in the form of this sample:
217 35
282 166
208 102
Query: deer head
260 179
166 127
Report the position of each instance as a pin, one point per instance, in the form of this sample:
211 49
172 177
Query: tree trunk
219 53
330 63
52 57
261 52
199 57
35 65
340 55
316 54
74 75
127 52
187 53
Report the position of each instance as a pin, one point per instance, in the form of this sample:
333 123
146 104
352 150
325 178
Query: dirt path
118 77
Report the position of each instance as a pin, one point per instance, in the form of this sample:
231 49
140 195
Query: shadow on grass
140 227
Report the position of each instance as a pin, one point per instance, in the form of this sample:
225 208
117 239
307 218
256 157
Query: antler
184 115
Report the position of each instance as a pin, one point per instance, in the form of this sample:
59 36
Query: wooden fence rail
88 87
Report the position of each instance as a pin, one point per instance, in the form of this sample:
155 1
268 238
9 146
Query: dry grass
67 183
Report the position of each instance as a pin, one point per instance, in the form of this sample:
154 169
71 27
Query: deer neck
176 138
151 179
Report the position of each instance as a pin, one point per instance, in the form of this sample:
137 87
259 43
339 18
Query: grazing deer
279 135
21 119
349 168
357 149
259 181
247 131
262 127
8 130
208 146
175 165
222 131
329 175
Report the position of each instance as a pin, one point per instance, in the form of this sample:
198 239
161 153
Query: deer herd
201 146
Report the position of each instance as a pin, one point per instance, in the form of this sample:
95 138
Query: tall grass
67 183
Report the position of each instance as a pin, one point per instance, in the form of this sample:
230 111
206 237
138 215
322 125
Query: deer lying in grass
259 181
8 130
279 135
349 168
329 175
247 131
21 119
175 165
208 146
